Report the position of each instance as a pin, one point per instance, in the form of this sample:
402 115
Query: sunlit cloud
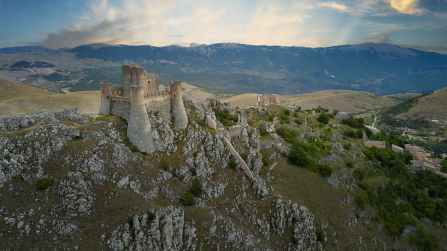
409 7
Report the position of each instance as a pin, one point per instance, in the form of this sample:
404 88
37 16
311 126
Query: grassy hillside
427 107
21 99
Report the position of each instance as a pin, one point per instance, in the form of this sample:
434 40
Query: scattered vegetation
444 166
226 118
196 188
353 133
284 116
232 164
357 123
402 197
187 199
44 183
423 239
324 118
287 133
324 170
307 154
390 138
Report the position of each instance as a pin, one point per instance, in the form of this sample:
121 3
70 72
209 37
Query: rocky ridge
83 186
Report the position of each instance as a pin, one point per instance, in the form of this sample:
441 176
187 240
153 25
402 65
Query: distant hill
26 64
341 100
427 107
22 99
378 68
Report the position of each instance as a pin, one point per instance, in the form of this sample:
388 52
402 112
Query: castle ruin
139 94
267 100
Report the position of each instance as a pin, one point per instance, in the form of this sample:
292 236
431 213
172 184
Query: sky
311 23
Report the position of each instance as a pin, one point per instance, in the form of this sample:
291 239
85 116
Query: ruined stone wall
267 100
162 105
106 93
120 108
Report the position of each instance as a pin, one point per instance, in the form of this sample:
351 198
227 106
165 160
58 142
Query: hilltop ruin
139 94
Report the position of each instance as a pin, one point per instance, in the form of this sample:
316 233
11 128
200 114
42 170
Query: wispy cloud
334 5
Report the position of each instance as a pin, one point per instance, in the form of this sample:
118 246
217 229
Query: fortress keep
139 94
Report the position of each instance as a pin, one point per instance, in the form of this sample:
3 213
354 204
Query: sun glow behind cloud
409 7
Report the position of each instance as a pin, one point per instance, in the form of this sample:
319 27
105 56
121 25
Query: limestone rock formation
211 120
158 229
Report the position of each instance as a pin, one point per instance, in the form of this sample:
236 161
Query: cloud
133 22
409 7
282 22
165 22
334 5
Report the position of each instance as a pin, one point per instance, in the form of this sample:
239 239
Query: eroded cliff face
71 182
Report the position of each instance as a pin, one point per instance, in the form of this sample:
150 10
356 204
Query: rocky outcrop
24 149
287 215
158 229
98 177
77 195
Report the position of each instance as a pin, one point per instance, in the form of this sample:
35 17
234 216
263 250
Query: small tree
324 118
187 199
444 166
196 188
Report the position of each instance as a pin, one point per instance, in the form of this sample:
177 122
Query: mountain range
239 68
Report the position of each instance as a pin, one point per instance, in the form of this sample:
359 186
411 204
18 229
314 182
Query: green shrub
263 132
196 188
444 166
423 240
303 154
357 123
347 146
232 164
349 164
361 199
352 133
226 118
284 116
324 118
324 171
287 134
44 183
359 174
187 199
403 197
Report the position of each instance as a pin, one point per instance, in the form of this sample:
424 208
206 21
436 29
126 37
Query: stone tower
106 93
126 76
139 130
178 111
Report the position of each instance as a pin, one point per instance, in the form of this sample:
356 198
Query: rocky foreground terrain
73 182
